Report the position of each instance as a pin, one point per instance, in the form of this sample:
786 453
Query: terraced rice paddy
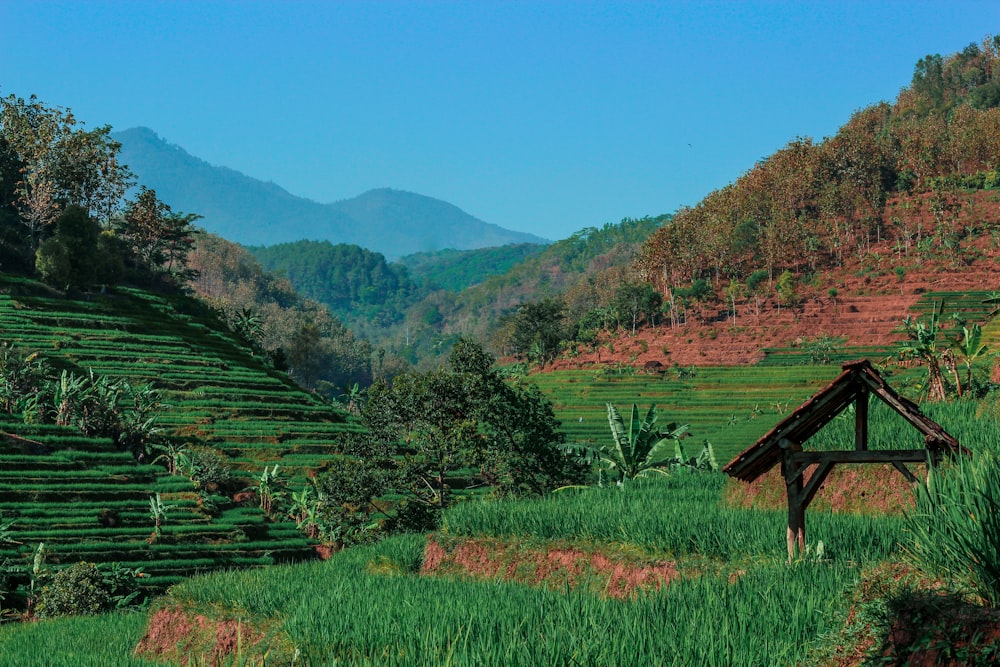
215 389
731 407
84 500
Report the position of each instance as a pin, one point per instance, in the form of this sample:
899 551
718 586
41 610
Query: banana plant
176 456
969 347
643 447
304 510
269 489
158 513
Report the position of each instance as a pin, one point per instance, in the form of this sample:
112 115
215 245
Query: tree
539 327
72 255
159 238
60 164
756 285
521 436
465 416
787 286
734 292
921 344
33 131
637 302
430 416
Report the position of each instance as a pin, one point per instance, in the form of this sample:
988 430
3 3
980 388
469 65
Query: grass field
740 604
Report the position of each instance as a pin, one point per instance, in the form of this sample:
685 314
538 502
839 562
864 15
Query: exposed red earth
178 636
870 302
553 567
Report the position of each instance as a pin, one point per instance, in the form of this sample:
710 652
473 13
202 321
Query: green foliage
922 345
970 348
158 511
85 589
456 270
955 526
270 489
643 447
21 378
96 405
787 287
823 347
348 501
584 268
351 281
635 303
52 261
756 279
538 329
297 335
158 238
60 164
465 416
208 468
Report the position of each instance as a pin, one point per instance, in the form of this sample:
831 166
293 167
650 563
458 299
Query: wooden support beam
861 419
868 456
817 479
820 411
905 471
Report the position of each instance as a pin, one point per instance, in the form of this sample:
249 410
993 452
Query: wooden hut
783 443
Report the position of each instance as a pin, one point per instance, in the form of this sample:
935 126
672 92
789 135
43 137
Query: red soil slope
871 300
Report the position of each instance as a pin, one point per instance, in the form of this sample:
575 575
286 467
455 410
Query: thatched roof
857 378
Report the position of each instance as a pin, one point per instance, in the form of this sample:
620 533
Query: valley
302 451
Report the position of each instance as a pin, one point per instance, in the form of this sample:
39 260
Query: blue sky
544 117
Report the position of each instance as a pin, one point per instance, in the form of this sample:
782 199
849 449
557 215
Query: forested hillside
587 267
296 333
812 205
835 238
354 283
455 270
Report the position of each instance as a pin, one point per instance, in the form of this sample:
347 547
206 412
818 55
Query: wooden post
861 419
792 472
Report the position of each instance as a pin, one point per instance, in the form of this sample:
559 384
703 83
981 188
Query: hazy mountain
253 212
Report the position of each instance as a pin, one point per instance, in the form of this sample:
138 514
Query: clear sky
544 117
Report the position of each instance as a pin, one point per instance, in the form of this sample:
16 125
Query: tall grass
364 607
677 516
956 525
88 641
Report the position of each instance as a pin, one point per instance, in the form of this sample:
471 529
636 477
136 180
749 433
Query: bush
209 469
52 261
956 525
84 589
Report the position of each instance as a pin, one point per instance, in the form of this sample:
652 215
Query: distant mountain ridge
254 212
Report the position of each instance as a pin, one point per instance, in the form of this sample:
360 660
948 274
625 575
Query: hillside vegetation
901 203
456 270
220 415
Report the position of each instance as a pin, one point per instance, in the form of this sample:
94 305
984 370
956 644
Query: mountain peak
252 212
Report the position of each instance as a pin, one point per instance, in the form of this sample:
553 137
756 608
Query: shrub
209 469
956 525
788 289
52 261
84 589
